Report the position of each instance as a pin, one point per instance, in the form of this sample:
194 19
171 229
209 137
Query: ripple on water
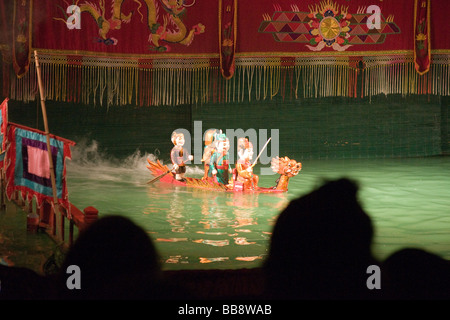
407 200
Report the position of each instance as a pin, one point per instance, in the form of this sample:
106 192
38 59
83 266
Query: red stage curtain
167 52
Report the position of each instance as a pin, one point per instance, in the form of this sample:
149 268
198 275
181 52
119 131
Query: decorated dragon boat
285 167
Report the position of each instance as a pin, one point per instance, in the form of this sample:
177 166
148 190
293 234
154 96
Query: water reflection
194 226
407 200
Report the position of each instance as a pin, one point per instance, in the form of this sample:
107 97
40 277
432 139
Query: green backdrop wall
332 128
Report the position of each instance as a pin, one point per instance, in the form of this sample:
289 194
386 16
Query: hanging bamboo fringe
397 75
164 82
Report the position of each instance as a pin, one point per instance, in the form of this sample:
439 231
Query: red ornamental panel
227 36
22 35
422 43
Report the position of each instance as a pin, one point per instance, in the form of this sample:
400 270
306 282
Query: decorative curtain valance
167 52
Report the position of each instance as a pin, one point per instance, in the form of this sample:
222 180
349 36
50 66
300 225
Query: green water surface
407 199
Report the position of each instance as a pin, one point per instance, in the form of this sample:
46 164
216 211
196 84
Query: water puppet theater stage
347 88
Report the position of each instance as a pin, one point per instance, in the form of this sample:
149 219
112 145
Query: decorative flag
27 165
227 36
422 45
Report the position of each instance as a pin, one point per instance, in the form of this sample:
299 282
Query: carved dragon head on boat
287 168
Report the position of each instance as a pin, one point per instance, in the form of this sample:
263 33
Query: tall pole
259 155
58 222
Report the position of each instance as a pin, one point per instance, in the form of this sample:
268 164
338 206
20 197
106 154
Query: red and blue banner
28 168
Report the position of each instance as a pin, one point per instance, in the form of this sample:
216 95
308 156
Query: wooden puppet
179 155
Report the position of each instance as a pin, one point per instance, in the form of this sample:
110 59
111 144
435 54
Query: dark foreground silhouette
320 249
321 246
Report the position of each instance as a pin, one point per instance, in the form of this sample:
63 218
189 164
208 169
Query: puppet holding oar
244 178
179 156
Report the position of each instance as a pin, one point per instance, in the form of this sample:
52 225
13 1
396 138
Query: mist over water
186 224
90 162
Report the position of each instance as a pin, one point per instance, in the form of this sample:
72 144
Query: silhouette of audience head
19 283
116 260
321 246
415 273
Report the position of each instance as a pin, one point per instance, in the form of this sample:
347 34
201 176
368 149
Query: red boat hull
162 171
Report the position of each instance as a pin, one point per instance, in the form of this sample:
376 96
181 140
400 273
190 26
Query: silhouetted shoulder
321 245
415 273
